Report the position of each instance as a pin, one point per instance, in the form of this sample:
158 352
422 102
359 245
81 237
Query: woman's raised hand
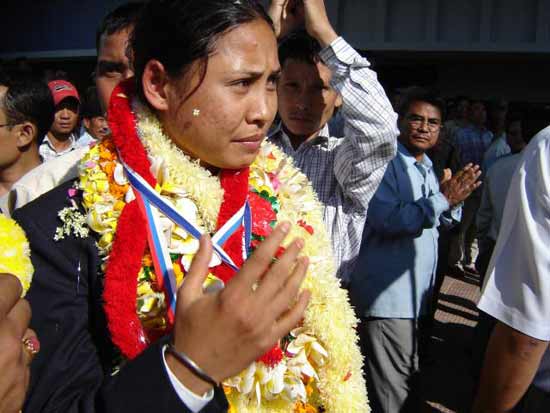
224 332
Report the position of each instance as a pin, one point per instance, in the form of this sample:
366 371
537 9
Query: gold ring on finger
31 345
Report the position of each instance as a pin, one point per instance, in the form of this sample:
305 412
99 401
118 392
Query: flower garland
15 252
318 365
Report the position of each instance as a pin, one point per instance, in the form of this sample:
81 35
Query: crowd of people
187 231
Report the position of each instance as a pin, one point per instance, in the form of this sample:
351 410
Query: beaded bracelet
191 365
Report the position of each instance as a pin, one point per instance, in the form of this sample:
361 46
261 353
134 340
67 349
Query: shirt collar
410 160
321 140
48 142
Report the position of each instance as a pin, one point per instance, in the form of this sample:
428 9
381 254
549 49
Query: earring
196 112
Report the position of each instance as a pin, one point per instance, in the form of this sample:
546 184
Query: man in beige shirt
41 179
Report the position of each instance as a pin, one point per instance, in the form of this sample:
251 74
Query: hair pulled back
178 33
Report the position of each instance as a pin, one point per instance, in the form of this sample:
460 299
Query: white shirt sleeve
517 289
194 402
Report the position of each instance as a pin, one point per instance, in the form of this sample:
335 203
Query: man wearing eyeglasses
26 113
392 285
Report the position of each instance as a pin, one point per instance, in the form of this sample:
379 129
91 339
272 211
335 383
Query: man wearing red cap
62 137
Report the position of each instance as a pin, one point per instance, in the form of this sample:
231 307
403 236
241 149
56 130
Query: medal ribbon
148 198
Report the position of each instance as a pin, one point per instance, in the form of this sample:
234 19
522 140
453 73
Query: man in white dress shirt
517 292
497 181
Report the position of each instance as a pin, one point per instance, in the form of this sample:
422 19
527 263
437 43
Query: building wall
59 28
521 26
500 47
51 28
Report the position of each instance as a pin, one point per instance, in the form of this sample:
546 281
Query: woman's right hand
225 332
15 358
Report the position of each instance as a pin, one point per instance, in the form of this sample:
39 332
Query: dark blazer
72 371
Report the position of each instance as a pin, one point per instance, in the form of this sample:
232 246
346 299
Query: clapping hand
460 186
224 332
15 356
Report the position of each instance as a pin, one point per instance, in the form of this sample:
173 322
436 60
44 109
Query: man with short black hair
320 74
113 53
113 66
26 113
395 272
94 121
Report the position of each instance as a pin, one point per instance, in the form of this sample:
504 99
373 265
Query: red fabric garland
122 122
272 357
130 241
262 215
121 282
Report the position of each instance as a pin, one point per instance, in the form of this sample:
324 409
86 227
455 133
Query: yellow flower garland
15 252
329 322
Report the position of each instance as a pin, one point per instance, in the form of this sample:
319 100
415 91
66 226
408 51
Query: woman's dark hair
180 32
28 100
419 94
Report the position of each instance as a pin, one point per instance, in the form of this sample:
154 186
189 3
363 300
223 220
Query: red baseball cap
62 89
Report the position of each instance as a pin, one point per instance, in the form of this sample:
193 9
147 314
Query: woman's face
224 121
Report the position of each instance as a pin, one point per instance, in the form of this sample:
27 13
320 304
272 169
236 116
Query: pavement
448 380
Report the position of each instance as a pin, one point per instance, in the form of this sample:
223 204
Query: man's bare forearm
511 361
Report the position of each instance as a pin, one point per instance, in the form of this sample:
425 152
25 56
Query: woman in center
205 96
188 157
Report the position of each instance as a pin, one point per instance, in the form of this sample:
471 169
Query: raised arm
370 122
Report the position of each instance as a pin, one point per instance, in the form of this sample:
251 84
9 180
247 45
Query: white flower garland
329 316
324 348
